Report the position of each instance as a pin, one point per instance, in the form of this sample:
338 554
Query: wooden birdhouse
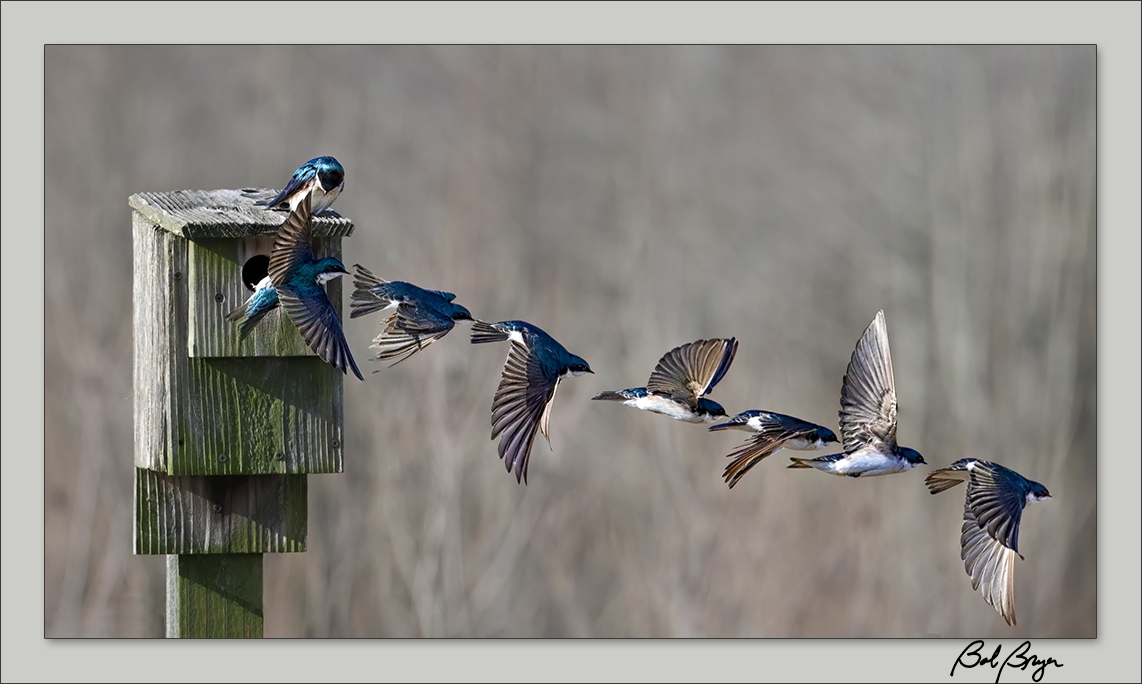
226 429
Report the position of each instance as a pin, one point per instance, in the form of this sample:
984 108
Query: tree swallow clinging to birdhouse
299 279
775 431
535 365
419 317
322 177
254 309
255 275
868 414
679 381
989 538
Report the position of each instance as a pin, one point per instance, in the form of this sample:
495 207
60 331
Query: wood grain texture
231 214
217 415
159 265
219 514
215 596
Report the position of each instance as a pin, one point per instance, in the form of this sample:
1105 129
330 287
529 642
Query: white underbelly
803 443
666 407
868 465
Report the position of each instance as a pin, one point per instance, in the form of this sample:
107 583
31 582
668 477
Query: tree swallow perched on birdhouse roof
419 317
775 431
679 381
299 278
535 365
323 177
868 414
989 538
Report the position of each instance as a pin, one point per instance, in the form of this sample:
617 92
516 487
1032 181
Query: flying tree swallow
989 538
419 317
299 278
535 365
775 431
868 414
680 380
321 177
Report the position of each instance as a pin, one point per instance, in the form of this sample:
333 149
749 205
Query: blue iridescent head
460 313
911 455
328 268
711 407
577 365
330 173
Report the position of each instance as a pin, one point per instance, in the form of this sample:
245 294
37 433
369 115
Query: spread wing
292 244
408 330
521 405
691 370
754 451
319 326
989 537
996 505
776 431
868 393
990 565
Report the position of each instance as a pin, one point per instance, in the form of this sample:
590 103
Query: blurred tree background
627 200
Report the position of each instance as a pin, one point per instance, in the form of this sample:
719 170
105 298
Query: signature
1018 659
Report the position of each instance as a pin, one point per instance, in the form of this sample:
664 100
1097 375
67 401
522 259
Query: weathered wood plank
201 416
258 415
220 514
225 214
159 262
215 596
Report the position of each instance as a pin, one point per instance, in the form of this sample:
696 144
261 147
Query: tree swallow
868 414
324 176
298 278
989 538
679 381
251 312
255 274
419 317
775 431
535 365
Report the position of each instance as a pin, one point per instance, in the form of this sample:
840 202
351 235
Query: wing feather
292 244
408 330
754 451
320 328
521 405
868 392
692 370
990 565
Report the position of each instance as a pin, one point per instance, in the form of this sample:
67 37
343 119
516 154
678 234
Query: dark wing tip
729 351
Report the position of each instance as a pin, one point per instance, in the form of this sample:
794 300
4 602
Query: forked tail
486 332
609 396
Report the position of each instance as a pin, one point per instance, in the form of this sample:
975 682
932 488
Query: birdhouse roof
226 214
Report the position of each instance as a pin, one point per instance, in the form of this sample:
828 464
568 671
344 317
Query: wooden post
226 430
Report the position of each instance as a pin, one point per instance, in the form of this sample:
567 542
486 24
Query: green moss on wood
215 596
220 514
